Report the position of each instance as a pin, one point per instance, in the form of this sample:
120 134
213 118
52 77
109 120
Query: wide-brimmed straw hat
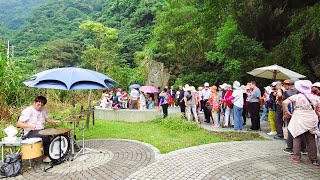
303 86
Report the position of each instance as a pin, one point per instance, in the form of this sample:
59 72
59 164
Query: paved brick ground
119 159
236 160
132 160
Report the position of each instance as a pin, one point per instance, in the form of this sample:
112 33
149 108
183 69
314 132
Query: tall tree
59 53
104 49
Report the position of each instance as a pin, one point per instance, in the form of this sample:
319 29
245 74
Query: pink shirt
303 117
301 102
32 116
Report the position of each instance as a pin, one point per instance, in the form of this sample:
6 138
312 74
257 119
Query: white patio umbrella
275 72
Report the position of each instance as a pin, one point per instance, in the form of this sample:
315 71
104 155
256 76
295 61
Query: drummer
32 121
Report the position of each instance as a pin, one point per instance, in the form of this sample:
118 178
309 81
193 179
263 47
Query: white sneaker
46 160
272 133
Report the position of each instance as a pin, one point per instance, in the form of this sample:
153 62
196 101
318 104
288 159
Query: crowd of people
293 104
121 99
225 106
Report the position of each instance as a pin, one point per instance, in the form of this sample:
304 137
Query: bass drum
59 147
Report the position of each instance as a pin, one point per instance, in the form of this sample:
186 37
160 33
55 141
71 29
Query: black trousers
244 116
182 107
45 140
205 110
165 110
279 121
254 108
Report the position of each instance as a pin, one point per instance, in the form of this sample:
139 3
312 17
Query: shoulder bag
318 113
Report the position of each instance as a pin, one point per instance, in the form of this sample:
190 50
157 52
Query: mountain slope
13 12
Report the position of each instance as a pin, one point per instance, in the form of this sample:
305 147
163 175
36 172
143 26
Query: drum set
59 144
62 143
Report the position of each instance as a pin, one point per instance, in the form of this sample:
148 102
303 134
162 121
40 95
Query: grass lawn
166 135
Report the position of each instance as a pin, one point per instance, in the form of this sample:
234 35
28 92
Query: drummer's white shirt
32 116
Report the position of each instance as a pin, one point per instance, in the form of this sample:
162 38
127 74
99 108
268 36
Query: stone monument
157 75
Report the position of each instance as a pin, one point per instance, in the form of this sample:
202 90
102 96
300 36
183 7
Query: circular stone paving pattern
117 160
86 161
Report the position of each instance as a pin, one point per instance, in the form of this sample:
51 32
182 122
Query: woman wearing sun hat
304 120
316 88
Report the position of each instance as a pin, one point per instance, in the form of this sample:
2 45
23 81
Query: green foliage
59 53
103 55
13 94
134 21
102 35
104 51
302 44
13 12
54 19
236 52
197 40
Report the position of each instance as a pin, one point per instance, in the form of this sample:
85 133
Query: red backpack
169 99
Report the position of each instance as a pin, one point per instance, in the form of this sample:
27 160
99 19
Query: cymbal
54 131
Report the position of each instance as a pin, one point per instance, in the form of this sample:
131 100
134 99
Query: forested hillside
13 12
197 40
220 40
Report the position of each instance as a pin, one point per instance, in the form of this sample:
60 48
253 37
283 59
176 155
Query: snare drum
31 148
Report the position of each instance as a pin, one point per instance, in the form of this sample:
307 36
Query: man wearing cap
204 96
316 88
